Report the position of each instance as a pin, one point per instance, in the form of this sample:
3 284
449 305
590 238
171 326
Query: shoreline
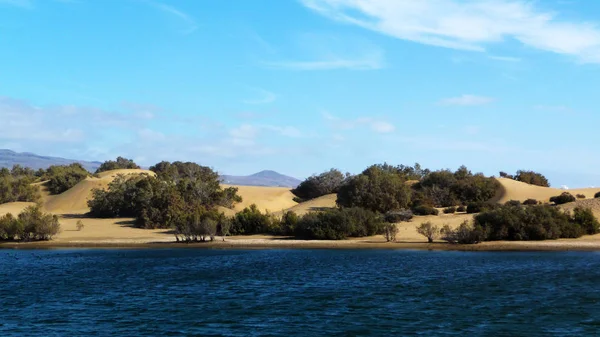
242 244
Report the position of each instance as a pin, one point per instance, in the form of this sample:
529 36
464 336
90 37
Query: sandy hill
273 199
14 208
74 201
516 190
317 204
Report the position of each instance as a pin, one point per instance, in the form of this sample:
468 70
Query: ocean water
186 292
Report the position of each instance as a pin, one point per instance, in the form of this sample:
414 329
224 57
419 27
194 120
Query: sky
302 86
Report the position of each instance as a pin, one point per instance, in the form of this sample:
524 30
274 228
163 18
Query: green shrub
16 185
580 196
513 203
251 221
530 202
475 207
597 195
377 189
31 225
450 210
319 185
398 216
62 178
465 233
563 198
120 163
338 224
289 221
425 210
532 178
461 208
535 222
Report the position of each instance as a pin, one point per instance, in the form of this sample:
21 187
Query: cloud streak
468 25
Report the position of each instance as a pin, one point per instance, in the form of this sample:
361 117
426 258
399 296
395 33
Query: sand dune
320 203
516 190
273 199
14 207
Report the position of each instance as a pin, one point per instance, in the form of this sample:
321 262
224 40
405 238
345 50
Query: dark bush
563 198
464 234
428 230
536 222
120 163
16 185
31 225
530 202
513 203
597 195
319 185
580 196
476 207
338 224
398 216
461 208
450 210
375 189
532 178
62 178
425 210
252 221
289 221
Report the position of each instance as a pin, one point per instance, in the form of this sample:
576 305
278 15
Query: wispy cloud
371 61
467 100
18 3
265 97
375 125
468 25
189 22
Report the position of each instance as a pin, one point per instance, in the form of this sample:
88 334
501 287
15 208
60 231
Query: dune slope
516 190
271 199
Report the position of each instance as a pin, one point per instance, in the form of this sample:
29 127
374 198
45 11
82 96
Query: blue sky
300 86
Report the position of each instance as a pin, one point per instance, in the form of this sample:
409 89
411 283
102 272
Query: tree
79 225
428 230
120 163
377 189
319 185
563 198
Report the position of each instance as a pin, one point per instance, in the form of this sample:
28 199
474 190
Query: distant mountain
262 178
9 158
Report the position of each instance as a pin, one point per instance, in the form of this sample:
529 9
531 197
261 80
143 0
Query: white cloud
468 25
369 61
505 58
467 100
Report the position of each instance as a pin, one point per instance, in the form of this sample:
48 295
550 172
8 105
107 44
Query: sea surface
186 292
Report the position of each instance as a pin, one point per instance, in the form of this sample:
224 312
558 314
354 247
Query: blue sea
187 292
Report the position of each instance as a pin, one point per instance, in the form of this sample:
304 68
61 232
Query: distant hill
262 178
9 158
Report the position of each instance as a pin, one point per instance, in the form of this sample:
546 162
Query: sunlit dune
271 199
14 207
516 190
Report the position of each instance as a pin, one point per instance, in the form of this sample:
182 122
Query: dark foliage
513 203
120 163
378 188
530 202
31 225
532 178
597 195
580 196
15 185
62 178
425 210
450 210
539 222
319 185
465 233
563 198
398 216
338 224
461 208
